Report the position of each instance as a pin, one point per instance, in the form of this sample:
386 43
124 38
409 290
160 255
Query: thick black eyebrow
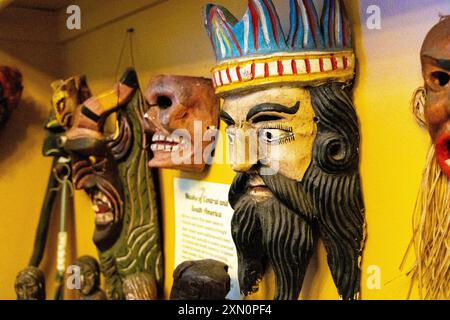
272 107
226 118
445 64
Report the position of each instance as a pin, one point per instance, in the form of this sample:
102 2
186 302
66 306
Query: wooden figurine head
30 284
293 139
182 118
200 280
10 92
90 278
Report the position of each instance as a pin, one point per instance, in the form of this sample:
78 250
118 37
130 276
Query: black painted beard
277 230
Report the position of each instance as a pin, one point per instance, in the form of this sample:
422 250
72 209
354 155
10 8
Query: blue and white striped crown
255 51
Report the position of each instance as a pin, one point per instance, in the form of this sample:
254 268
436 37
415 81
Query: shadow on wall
27 115
47 57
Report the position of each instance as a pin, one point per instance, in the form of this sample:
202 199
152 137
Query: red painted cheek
443 152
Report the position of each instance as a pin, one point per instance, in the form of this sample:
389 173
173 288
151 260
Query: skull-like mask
435 56
183 116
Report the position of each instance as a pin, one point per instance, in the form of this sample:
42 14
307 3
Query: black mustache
289 192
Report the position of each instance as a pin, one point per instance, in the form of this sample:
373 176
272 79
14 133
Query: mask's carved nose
61 141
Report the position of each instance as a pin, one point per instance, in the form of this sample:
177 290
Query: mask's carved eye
274 136
440 78
164 102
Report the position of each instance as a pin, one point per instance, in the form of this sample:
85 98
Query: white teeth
154 147
176 148
160 147
169 139
177 139
168 148
154 138
104 198
104 218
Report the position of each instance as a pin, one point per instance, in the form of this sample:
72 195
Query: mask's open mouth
165 143
443 152
104 212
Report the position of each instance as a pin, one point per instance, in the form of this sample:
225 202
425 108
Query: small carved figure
200 280
30 284
90 279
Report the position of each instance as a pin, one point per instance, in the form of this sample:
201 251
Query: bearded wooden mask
294 141
435 113
183 117
10 92
431 223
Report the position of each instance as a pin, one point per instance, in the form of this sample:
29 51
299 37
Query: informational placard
203 226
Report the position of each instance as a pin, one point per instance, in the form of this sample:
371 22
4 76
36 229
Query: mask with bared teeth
182 117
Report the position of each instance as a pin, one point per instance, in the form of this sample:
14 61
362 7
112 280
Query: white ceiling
50 5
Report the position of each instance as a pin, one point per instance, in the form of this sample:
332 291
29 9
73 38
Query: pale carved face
275 128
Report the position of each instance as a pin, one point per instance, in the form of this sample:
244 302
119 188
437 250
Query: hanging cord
128 38
62 173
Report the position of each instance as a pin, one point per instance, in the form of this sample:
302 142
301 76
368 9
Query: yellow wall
23 170
170 38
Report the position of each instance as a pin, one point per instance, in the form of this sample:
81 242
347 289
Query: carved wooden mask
182 118
435 112
10 92
93 160
109 161
430 223
67 96
294 142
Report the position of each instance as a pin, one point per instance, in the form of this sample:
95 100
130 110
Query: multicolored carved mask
109 162
183 118
67 95
294 141
431 218
10 92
